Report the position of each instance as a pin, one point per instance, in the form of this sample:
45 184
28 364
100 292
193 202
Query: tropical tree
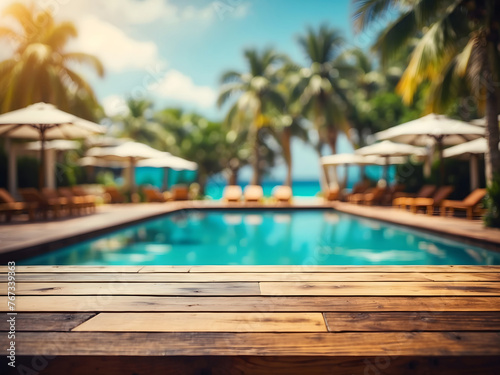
138 123
208 143
258 95
458 39
41 69
317 87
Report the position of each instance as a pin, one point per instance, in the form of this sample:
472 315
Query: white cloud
180 87
115 105
117 51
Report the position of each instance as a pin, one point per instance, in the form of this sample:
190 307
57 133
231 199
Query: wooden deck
255 320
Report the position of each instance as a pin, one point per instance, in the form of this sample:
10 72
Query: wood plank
204 322
413 321
282 344
51 269
243 277
261 365
306 268
380 289
264 365
111 303
144 289
251 269
46 322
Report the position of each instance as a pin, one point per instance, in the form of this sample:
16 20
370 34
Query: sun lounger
153 194
76 204
9 206
403 199
332 193
282 194
391 193
468 204
232 193
359 188
180 192
114 195
89 199
53 196
429 203
44 203
253 193
370 197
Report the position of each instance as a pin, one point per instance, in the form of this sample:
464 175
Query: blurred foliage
492 203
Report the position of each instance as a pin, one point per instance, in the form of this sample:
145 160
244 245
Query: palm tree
138 124
258 95
317 87
40 69
459 38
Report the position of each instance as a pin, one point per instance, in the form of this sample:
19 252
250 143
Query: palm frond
366 12
230 76
58 36
84 58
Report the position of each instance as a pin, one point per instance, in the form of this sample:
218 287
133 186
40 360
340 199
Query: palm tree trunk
332 135
492 156
256 178
287 153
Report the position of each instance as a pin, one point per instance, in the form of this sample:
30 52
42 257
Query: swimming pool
266 237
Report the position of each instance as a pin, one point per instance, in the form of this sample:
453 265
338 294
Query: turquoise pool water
291 237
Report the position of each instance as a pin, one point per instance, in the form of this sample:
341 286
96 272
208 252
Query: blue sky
174 51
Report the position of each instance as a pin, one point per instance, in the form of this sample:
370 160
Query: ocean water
267 237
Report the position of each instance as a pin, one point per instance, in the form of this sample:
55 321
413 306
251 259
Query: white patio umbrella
440 129
130 152
481 121
469 151
56 144
387 149
168 161
44 122
355 159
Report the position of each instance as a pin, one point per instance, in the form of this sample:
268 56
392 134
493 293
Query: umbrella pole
441 163
386 170
41 170
165 179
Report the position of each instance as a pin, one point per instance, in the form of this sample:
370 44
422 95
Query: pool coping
486 238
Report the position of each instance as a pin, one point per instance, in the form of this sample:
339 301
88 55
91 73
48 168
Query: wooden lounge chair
403 199
359 188
468 204
76 204
332 192
53 196
153 194
391 193
370 197
282 194
253 193
114 195
44 203
232 193
429 203
9 206
90 199
180 192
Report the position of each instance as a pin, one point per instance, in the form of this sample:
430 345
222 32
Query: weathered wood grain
306 268
110 303
145 289
56 322
380 289
261 365
413 321
282 344
258 276
204 322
